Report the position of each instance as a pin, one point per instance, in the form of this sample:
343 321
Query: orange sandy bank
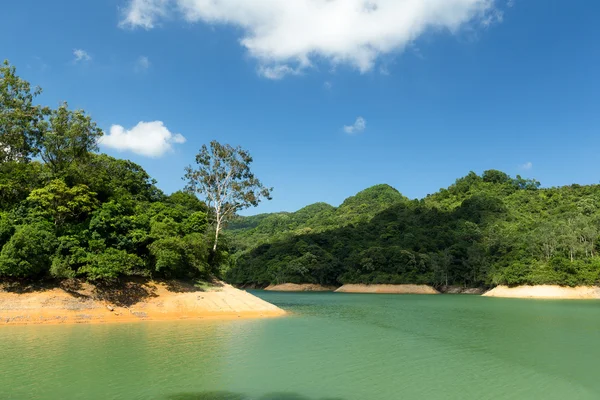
305 287
546 292
396 289
134 302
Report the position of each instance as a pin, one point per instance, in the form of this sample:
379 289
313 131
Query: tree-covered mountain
482 230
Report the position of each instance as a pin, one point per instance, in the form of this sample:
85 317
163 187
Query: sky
329 96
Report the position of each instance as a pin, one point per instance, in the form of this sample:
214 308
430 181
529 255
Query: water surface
333 346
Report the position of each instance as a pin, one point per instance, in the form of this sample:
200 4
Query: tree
20 119
28 252
69 136
62 203
224 179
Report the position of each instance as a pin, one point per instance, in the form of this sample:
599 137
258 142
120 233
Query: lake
332 346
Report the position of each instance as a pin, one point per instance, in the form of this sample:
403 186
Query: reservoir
330 346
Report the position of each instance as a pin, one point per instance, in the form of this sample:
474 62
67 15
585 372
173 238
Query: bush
6 229
28 252
109 265
180 257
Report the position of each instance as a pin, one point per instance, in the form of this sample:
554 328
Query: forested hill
318 217
482 230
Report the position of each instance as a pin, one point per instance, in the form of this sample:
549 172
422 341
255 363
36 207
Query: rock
110 308
461 290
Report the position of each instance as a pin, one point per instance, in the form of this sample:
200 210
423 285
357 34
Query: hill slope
481 231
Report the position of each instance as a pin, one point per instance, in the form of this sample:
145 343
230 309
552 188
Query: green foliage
109 265
68 137
196 223
115 179
17 180
80 214
482 230
61 203
224 179
28 252
7 229
21 121
181 257
69 257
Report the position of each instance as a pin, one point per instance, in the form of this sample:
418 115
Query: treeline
68 212
481 231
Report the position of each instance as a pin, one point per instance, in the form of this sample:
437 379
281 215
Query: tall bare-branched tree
224 180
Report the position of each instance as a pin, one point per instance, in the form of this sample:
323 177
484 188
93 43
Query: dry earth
305 287
77 302
396 289
546 292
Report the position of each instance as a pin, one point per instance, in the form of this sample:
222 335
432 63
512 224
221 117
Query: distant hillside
481 231
247 232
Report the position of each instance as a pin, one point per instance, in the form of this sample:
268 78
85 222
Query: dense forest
481 231
68 212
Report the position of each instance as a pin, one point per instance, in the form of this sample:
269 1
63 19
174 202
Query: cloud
277 72
288 36
527 166
142 64
151 139
359 125
144 13
81 55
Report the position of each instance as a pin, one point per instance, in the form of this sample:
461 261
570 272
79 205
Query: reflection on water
332 346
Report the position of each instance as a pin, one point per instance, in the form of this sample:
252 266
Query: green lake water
332 346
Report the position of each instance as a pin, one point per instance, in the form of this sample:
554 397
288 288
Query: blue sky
442 87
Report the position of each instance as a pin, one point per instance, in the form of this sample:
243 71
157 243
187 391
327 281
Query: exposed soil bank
461 290
304 287
546 292
397 289
133 301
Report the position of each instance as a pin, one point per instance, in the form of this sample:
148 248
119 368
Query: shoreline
387 289
300 287
545 292
140 301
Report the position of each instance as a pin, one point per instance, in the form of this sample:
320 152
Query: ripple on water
344 346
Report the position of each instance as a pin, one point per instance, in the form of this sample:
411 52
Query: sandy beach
295 287
147 301
545 292
395 289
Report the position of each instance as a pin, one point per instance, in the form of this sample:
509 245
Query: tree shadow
178 286
20 287
73 287
124 293
238 396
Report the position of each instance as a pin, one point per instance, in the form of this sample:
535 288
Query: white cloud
81 55
144 13
151 139
142 64
527 166
359 125
277 72
287 36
